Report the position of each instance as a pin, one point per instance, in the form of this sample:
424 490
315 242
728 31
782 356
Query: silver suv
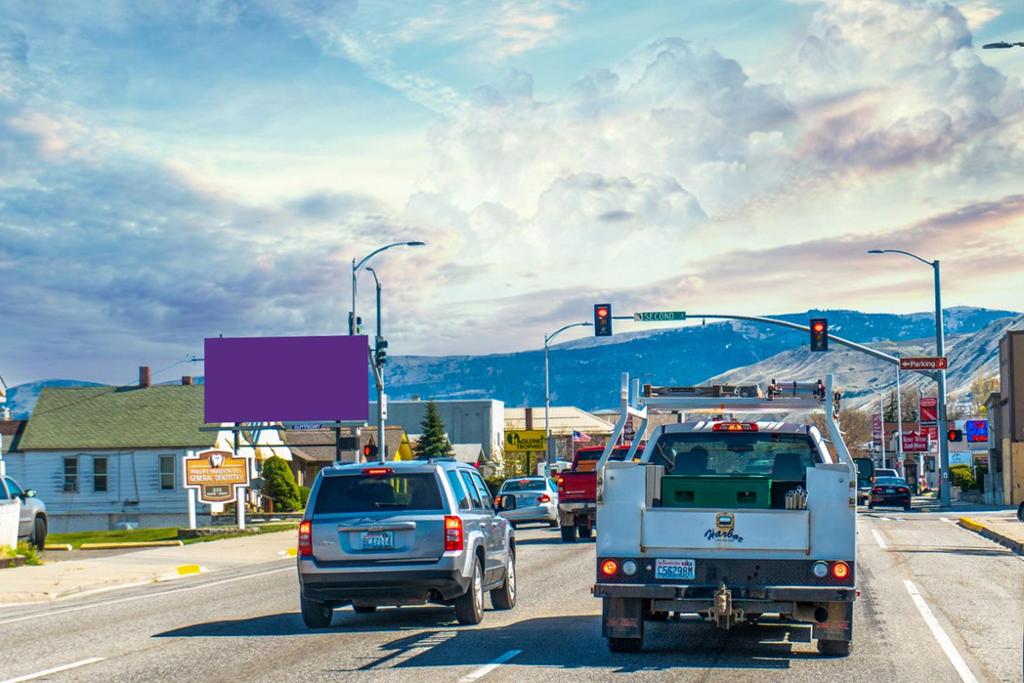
32 521
403 533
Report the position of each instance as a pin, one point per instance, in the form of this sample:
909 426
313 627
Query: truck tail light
544 498
735 427
453 539
609 567
305 537
840 571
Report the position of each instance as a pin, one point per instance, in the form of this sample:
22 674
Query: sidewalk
56 580
1007 531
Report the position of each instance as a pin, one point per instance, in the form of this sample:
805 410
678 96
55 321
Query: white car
528 499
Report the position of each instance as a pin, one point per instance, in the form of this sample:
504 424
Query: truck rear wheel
835 648
568 534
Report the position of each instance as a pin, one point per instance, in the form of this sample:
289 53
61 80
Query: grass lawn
144 535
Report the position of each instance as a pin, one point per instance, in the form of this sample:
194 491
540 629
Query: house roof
117 417
470 453
10 435
564 420
317 445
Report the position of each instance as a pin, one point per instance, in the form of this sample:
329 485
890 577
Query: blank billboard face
279 379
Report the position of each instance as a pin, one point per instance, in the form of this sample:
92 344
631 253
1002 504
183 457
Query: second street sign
925 363
658 316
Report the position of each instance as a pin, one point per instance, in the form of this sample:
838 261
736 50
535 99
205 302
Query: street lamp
378 370
1001 45
881 408
355 271
547 389
940 351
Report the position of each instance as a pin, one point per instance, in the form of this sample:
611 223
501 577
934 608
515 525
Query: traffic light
602 320
955 435
819 334
370 451
381 353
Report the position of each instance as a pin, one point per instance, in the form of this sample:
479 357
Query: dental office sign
216 475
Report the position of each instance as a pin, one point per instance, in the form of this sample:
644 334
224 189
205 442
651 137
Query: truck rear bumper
762 595
570 513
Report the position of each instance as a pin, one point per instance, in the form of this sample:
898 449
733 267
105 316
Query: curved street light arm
385 247
905 253
549 337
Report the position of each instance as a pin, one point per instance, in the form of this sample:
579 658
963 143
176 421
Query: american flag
578 437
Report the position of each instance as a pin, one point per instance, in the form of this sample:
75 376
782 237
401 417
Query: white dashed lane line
488 668
54 670
879 539
940 635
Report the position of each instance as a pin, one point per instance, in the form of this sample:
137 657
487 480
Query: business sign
961 458
928 410
914 442
924 364
524 440
216 474
976 431
876 426
659 316
932 432
274 379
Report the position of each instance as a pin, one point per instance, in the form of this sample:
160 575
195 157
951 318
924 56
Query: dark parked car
890 491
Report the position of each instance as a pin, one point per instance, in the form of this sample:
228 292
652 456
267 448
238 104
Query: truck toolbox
711 491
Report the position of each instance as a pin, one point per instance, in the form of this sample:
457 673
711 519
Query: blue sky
175 170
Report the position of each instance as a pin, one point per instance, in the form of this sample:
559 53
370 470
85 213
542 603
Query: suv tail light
305 537
544 498
453 539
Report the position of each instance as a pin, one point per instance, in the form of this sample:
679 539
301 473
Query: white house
107 457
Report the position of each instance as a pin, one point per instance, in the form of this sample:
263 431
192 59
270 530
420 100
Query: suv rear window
362 493
513 485
783 457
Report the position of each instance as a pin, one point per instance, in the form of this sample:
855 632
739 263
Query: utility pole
382 453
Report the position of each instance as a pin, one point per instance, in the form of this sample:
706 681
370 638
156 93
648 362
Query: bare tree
981 387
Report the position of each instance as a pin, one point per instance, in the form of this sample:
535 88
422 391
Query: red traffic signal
955 435
370 450
819 334
602 320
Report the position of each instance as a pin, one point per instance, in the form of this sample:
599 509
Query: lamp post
940 350
378 368
881 408
355 272
382 454
547 389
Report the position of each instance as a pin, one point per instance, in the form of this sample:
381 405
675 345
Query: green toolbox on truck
717 491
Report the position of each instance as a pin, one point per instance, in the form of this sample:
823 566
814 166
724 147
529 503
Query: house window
99 474
167 478
71 474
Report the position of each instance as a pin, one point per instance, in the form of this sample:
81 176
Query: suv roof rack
777 397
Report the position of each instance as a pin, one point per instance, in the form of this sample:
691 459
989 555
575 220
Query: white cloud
978 12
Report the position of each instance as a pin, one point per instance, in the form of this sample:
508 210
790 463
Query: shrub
962 476
279 485
303 496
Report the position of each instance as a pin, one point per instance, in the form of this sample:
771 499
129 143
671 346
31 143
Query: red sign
928 408
932 432
876 426
914 442
924 363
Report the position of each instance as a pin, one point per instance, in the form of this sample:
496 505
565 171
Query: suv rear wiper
391 505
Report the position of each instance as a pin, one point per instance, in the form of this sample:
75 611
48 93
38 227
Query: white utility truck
728 519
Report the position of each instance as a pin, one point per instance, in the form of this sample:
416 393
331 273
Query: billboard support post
240 491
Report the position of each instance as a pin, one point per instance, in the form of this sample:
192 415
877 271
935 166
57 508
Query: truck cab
730 518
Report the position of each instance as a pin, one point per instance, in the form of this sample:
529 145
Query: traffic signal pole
382 450
549 453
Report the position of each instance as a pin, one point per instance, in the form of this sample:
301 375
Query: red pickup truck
577 492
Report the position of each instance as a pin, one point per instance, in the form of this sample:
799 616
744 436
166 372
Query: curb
57 546
978 528
139 544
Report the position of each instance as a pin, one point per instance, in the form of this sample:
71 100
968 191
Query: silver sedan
528 499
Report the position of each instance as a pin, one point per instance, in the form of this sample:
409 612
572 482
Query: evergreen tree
279 485
433 443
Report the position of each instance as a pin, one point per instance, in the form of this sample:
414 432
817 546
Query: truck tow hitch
722 611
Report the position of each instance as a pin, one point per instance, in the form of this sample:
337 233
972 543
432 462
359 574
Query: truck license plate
675 569
378 540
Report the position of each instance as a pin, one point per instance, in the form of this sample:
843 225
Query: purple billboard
279 379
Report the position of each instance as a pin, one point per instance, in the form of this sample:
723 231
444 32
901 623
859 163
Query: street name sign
216 474
658 316
924 364
524 440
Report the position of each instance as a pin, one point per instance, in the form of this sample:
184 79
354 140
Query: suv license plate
675 569
378 540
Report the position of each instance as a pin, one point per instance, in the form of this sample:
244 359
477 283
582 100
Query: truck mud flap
839 625
622 618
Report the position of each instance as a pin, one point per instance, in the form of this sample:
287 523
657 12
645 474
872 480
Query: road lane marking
488 668
940 635
947 520
54 670
879 539
144 597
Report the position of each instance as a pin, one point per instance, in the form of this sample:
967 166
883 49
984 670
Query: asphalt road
245 626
